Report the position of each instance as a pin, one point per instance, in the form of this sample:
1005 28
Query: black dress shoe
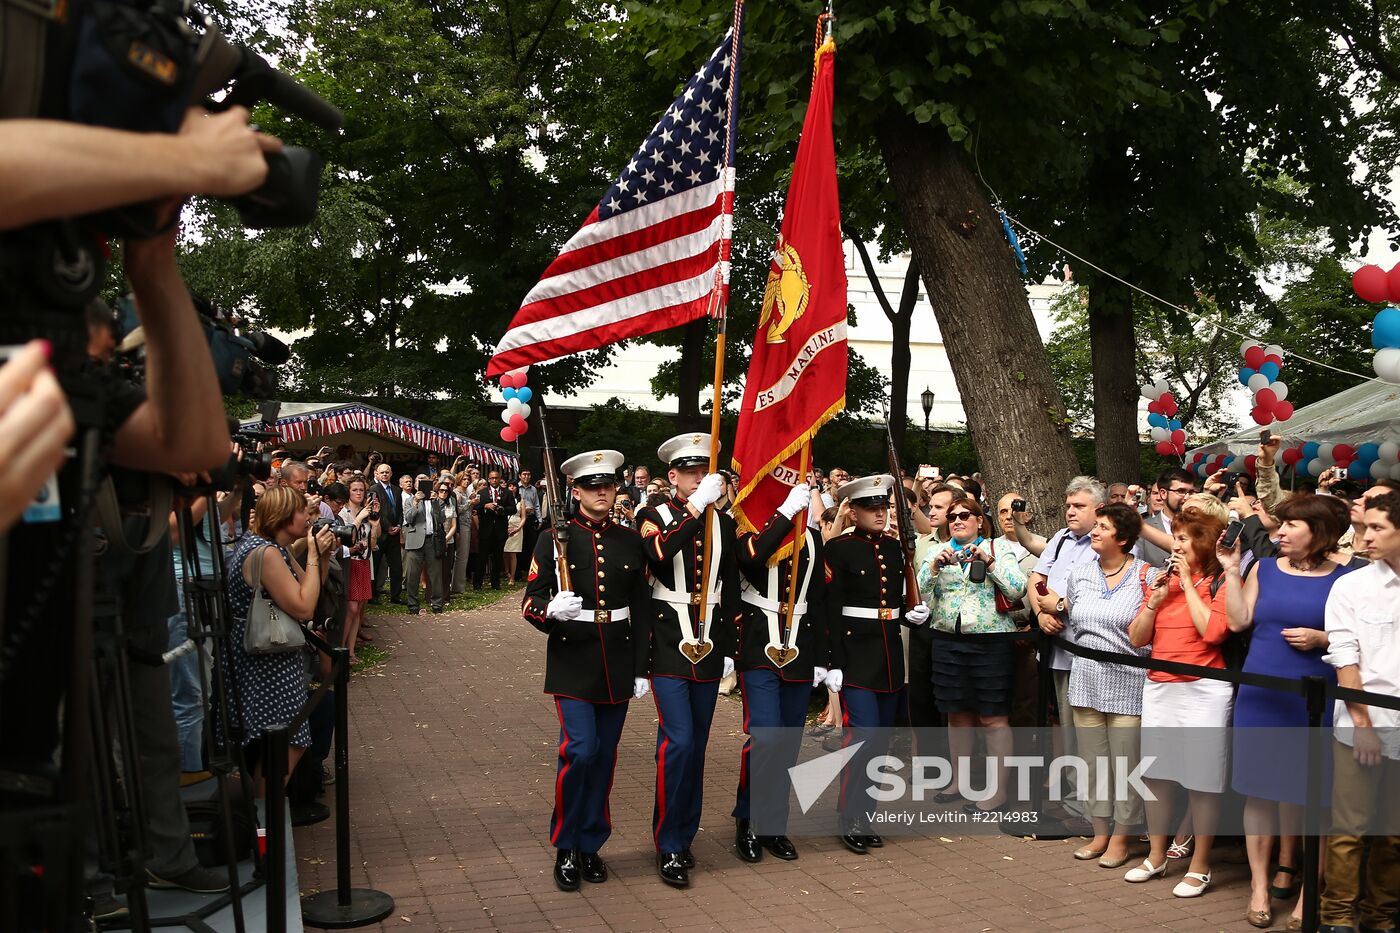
854 840
413 610
593 868
746 843
781 846
687 858
672 870
1336 928
399 599
873 841
437 609
947 797
566 870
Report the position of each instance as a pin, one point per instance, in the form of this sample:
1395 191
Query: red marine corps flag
797 375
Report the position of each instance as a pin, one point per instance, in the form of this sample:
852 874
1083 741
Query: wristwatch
1060 606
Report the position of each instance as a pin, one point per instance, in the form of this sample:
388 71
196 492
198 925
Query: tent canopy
1369 412
367 427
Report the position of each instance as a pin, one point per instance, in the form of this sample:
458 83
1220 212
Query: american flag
654 253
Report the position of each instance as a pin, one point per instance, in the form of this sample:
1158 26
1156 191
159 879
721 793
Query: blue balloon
1271 370
1301 468
1385 329
1245 373
524 394
1310 450
1174 425
1368 452
508 393
1156 420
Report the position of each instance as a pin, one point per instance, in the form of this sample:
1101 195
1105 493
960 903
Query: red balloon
525 429
1179 448
1178 436
1344 452
507 435
1200 455
1262 415
507 381
1266 398
1371 284
1292 455
1165 447
1249 463
517 424
1393 283
1169 407
1283 411
1155 408
1254 357
1274 358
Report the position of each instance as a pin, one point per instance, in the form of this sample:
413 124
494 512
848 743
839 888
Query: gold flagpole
799 540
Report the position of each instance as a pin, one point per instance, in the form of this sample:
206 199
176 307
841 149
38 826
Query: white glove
798 499
918 615
818 675
728 667
565 606
640 687
708 492
834 680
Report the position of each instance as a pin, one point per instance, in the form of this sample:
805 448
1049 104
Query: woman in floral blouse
972 676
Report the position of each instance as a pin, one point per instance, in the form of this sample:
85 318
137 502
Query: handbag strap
257 555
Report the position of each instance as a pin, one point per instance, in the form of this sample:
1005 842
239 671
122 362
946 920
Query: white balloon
524 409
1316 465
1380 470
1244 347
1147 392
1162 386
1258 381
505 415
1389 451
1280 390
1161 434
1273 349
513 407
1387 364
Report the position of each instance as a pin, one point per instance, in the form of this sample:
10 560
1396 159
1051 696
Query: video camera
347 535
136 65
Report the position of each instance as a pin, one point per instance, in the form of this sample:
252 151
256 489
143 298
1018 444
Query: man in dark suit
493 513
390 553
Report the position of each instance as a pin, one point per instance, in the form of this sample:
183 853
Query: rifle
904 521
559 522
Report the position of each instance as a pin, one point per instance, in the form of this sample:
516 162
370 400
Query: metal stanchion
345 907
278 740
1312 816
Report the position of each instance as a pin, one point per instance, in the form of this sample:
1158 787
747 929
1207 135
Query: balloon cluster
1204 466
1376 461
1161 418
1374 284
517 397
1259 374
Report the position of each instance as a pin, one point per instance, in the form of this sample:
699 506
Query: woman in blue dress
271 688
1282 601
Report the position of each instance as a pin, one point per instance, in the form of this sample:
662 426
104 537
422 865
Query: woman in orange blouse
1184 718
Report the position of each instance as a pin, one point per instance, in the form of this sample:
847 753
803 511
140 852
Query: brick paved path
452 765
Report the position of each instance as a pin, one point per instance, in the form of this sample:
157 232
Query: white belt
677 598
604 615
770 605
863 612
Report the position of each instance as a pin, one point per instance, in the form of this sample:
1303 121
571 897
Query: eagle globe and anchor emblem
786 295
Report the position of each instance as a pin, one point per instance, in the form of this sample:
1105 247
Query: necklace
1126 561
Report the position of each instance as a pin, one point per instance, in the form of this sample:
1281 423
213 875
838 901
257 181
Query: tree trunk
899 388
692 370
1014 410
1113 351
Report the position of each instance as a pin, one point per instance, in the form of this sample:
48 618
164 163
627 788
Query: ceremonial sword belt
681 598
604 615
781 651
870 612
694 646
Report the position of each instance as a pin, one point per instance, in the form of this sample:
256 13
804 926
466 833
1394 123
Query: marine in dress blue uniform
590 659
779 666
865 576
684 656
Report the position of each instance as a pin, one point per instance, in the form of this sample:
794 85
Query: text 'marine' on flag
796 380
654 253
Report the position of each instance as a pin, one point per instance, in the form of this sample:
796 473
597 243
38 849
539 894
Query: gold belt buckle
602 615
888 614
695 599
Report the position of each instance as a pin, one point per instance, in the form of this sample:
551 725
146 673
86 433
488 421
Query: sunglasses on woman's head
961 516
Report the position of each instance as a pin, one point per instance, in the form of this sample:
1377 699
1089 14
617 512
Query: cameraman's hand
35 425
226 154
325 541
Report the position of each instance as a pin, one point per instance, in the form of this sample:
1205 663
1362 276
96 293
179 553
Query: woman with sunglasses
972 676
